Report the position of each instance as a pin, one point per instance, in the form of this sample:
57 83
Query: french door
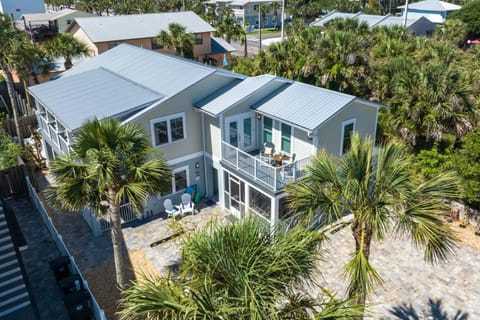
240 131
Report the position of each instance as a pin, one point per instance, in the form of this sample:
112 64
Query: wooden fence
13 182
27 124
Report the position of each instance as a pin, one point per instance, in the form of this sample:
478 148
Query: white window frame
344 124
169 129
177 170
263 129
281 137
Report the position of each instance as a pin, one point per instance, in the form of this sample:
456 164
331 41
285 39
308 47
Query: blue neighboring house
434 10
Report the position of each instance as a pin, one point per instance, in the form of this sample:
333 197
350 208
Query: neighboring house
102 33
51 22
17 8
419 25
210 123
247 12
434 10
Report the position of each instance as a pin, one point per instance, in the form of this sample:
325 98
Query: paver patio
409 282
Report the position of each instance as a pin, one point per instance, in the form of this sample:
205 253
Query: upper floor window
286 142
168 129
267 129
198 38
347 129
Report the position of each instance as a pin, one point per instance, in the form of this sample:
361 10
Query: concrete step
5 247
18 289
5 281
5 238
7 274
10 286
3 223
7 254
11 302
14 308
8 264
4 231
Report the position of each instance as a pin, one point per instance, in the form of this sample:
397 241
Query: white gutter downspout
204 153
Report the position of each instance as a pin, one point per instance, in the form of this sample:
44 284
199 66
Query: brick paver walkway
453 287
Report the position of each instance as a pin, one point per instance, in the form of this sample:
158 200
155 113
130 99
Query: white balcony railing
274 177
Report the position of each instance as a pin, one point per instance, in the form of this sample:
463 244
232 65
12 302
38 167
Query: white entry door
240 131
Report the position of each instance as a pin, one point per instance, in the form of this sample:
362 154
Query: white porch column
221 187
274 212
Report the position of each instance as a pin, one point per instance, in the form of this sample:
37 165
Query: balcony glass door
240 131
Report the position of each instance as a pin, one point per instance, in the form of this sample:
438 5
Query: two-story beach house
17 8
239 139
250 13
101 33
434 10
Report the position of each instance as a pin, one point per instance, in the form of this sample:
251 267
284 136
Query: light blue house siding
444 14
17 8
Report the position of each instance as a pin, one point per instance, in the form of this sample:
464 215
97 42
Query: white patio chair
170 209
187 204
267 152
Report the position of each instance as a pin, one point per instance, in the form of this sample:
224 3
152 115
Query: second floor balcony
273 171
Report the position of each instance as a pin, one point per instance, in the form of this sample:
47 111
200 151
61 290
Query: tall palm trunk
13 102
117 240
362 233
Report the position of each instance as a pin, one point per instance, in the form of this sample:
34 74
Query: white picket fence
57 237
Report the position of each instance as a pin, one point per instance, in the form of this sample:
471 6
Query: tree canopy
469 14
239 271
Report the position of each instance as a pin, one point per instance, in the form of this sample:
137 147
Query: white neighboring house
17 8
211 124
434 10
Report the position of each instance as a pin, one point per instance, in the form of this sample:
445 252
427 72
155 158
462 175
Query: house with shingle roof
101 33
239 139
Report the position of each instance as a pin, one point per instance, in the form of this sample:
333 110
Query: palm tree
18 54
237 271
66 46
178 39
384 196
108 163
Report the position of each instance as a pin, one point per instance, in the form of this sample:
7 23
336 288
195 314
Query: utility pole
260 25
405 14
282 32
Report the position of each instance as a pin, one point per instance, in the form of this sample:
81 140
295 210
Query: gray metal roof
216 104
162 73
394 20
245 2
94 93
332 16
136 26
432 5
304 105
370 19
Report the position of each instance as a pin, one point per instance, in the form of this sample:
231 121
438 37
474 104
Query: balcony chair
289 169
267 152
170 210
187 204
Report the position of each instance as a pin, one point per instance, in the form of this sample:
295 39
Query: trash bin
78 305
70 284
60 267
